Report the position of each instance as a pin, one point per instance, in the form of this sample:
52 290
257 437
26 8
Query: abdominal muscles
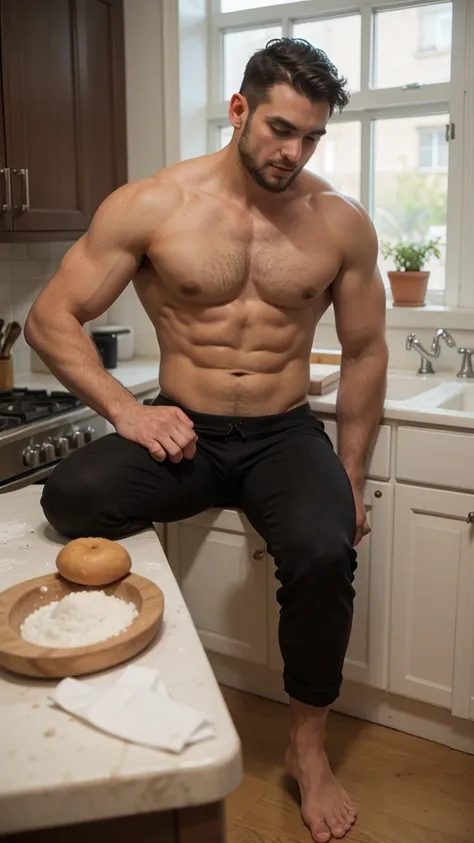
242 358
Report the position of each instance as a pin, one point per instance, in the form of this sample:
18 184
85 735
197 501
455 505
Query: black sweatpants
282 471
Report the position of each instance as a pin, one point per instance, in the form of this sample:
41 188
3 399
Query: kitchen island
58 775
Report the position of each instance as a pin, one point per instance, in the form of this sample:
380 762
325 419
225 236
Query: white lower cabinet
413 628
160 530
432 606
367 655
221 566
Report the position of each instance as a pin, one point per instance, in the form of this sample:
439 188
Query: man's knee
71 501
318 557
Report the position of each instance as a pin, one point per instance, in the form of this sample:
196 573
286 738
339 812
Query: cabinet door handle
259 554
470 517
25 205
5 171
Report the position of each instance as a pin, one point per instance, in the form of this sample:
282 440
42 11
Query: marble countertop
138 375
55 769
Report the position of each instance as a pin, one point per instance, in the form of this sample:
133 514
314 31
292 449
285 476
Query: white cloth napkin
137 708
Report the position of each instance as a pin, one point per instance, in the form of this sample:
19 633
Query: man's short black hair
295 62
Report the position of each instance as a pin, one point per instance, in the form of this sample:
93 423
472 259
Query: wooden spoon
12 332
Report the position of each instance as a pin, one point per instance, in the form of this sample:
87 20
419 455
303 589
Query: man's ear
238 111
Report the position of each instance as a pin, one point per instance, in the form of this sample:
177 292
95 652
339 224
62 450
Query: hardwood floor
408 790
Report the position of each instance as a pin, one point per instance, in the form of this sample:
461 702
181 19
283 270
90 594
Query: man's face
279 138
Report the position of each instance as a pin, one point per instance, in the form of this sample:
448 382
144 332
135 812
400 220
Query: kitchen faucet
426 366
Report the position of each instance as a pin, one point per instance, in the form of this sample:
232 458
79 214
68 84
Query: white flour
80 618
13 530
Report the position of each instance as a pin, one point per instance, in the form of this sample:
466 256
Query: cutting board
323 378
326 355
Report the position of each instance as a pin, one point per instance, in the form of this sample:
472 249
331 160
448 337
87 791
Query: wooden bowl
20 656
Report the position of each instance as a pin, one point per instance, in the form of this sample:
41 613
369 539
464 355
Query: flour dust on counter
13 530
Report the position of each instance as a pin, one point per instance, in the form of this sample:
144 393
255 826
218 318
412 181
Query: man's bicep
98 267
359 302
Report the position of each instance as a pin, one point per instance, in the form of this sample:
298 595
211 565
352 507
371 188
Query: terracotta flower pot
408 288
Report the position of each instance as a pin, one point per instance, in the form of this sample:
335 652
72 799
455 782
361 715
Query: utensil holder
6 373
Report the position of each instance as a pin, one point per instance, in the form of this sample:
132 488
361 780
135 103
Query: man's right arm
92 275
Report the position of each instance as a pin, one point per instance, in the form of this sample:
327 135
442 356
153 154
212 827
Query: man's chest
218 257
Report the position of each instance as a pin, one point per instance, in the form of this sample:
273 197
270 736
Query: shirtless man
235 256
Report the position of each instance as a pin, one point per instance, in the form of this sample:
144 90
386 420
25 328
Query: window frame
368 104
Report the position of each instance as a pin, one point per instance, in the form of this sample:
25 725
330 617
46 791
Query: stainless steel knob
31 456
470 517
76 439
260 553
47 450
89 433
62 446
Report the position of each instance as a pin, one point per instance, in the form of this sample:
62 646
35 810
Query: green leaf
410 257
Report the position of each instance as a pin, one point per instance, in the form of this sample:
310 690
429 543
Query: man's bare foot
325 806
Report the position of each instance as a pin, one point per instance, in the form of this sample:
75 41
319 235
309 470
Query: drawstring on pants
238 428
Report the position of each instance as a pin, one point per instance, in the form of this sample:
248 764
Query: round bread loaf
93 561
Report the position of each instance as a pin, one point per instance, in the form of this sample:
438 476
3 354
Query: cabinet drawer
435 458
379 463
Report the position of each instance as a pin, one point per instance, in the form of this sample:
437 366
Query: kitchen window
433 149
435 28
391 148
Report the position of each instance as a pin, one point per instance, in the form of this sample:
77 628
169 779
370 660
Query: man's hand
164 431
362 527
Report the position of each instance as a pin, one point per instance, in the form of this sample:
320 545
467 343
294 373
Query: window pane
237 5
410 184
238 47
413 45
435 29
337 158
340 39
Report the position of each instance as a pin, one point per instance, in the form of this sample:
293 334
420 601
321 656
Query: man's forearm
359 408
72 357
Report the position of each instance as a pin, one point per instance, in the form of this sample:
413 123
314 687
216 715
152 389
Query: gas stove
23 406
38 429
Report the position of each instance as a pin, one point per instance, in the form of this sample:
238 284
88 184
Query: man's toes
321 833
337 830
350 808
349 816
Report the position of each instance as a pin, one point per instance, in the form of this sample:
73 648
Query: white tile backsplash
128 310
400 356
24 270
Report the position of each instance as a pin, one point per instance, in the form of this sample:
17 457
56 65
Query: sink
402 387
462 402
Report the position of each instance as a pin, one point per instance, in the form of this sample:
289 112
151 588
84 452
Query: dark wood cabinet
6 213
63 148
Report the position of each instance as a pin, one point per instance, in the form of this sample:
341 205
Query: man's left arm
359 308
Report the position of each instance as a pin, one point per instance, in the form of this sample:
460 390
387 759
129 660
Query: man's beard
255 172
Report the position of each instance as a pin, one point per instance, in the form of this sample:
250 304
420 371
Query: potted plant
409 281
